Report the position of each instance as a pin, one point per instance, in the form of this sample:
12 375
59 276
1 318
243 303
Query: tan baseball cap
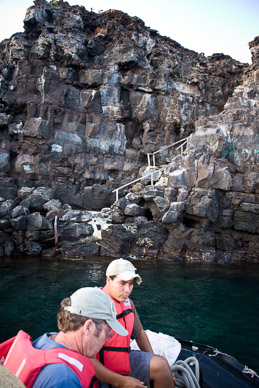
124 269
92 302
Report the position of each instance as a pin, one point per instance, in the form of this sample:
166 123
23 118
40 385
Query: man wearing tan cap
116 355
60 359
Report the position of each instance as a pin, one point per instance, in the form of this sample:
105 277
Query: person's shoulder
132 304
57 376
45 342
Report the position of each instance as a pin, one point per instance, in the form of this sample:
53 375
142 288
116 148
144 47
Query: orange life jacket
26 362
115 353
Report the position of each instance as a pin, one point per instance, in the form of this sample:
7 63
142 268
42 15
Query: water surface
213 305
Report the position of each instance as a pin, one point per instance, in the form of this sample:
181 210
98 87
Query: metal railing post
148 159
56 231
154 160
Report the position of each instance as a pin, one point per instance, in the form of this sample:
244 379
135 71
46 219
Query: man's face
119 289
99 334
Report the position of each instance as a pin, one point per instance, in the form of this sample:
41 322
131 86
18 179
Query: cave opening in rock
148 215
191 222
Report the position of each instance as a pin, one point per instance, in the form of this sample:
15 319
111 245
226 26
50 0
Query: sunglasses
109 334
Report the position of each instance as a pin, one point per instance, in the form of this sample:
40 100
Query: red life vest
115 353
26 362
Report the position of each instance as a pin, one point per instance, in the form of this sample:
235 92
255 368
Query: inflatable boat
217 369
194 365
201 366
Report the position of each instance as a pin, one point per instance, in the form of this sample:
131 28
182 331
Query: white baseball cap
92 302
124 269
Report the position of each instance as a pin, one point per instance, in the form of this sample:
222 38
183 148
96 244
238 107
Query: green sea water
213 305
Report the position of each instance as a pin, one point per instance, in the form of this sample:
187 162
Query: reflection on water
208 304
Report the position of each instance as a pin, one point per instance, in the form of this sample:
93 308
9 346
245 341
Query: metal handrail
135 180
149 165
166 147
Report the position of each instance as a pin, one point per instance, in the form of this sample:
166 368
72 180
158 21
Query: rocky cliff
84 97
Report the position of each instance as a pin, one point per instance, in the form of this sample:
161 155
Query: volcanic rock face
85 96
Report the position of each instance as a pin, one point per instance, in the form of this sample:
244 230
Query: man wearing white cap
61 359
115 354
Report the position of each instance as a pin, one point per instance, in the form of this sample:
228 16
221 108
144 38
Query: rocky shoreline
84 98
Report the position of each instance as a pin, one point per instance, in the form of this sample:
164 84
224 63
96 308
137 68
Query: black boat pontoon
217 369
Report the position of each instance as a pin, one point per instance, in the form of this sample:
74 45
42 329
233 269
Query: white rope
185 377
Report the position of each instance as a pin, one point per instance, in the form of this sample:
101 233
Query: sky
205 26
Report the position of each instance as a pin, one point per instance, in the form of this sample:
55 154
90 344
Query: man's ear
87 326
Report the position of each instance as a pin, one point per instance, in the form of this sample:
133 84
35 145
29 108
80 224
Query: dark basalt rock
83 98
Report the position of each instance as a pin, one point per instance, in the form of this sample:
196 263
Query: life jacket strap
112 349
93 382
124 313
116 349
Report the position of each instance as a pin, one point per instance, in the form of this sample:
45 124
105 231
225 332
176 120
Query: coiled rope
185 377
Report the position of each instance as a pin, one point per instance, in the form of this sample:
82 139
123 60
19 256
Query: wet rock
38 198
76 216
33 248
74 231
20 211
6 208
37 222
5 224
53 204
24 192
142 240
86 249
19 223
9 248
